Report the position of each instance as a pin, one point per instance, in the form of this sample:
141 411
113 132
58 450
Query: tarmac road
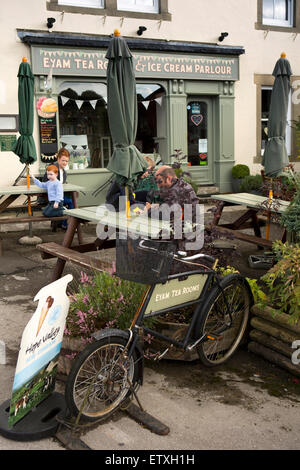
244 404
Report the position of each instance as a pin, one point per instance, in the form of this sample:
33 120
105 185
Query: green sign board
7 142
176 292
91 62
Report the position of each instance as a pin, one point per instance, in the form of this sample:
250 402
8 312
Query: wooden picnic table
249 219
10 194
109 224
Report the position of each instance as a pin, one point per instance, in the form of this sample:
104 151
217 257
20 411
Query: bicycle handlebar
181 255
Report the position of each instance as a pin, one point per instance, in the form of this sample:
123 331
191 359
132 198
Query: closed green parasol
275 157
25 146
126 162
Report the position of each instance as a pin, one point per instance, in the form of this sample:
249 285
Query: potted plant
251 184
178 157
239 172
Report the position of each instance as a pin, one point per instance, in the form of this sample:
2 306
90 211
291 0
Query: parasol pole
269 211
127 202
29 202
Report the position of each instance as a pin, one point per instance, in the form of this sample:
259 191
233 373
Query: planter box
272 336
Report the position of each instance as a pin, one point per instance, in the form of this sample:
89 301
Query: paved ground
245 404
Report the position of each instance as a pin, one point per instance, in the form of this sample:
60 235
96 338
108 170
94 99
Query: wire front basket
148 262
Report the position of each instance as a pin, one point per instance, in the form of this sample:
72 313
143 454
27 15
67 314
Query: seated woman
139 194
146 183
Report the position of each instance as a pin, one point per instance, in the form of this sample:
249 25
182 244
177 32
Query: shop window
150 137
84 126
83 120
82 3
197 133
149 6
278 12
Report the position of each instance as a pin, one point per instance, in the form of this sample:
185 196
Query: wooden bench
249 219
10 194
22 220
54 250
110 222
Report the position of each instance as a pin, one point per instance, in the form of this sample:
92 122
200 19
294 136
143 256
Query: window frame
80 6
294 28
111 9
289 23
155 11
266 81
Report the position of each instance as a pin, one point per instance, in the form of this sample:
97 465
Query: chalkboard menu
48 137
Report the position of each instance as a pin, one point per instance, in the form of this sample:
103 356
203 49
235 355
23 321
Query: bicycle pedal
214 337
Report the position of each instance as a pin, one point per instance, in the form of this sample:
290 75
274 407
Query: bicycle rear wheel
100 379
224 319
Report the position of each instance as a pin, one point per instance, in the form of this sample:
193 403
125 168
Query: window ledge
281 29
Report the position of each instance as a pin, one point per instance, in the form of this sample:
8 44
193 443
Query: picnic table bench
109 224
10 194
249 219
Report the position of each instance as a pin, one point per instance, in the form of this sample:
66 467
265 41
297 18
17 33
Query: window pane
8 122
151 118
268 8
278 12
265 108
84 128
281 9
138 5
83 3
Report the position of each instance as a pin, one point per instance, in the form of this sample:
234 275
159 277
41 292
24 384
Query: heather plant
101 301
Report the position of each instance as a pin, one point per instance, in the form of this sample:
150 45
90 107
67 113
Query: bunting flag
93 103
146 104
79 103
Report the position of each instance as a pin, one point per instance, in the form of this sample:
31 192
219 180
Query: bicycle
110 370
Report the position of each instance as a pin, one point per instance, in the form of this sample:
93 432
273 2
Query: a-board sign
48 135
39 351
46 110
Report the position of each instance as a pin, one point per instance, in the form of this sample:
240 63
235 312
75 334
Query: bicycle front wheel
224 320
101 379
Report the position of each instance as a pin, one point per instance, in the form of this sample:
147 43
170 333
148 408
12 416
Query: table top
15 190
250 200
140 224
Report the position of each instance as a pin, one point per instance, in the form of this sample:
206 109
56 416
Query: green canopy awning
275 156
25 146
126 162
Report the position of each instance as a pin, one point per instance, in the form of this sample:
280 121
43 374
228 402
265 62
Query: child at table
55 192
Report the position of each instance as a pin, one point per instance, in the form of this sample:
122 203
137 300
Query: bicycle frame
141 314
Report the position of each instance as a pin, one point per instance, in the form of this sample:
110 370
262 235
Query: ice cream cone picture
44 311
